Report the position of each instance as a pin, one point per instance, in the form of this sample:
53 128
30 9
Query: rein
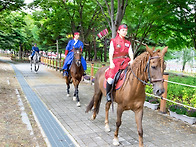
149 78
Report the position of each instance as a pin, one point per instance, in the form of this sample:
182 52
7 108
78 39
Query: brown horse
75 74
148 66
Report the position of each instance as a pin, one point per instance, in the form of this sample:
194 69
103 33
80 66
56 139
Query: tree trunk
94 45
183 66
114 22
20 52
105 50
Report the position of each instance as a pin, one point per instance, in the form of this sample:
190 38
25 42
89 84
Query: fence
57 64
53 63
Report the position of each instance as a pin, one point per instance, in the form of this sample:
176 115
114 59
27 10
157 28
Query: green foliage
8 5
154 22
179 93
182 110
13 32
183 94
178 109
152 100
191 113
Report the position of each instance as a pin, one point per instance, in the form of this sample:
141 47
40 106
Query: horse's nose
159 91
78 63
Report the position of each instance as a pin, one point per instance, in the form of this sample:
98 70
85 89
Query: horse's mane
139 63
138 66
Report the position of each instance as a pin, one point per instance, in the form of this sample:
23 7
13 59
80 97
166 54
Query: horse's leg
138 119
76 89
68 86
76 96
31 64
118 123
76 93
107 107
35 66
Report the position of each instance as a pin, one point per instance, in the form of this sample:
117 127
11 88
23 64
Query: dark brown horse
75 74
148 66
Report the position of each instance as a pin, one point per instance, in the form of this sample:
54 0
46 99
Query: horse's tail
90 105
96 99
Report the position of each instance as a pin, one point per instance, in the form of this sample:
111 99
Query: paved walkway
159 129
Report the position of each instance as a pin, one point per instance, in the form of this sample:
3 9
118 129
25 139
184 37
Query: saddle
119 79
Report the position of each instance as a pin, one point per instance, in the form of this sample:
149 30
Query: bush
182 110
178 93
191 113
151 100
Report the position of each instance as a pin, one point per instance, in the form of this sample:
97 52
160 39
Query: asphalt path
159 129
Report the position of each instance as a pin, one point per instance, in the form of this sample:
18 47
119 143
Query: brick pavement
159 129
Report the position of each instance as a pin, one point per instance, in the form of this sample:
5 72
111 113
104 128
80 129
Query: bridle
77 60
148 71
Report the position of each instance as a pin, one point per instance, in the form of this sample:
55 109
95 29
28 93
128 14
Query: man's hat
76 33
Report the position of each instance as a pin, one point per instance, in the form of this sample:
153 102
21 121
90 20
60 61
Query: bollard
50 63
92 70
56 64
53 63
47 61
60 65
164 95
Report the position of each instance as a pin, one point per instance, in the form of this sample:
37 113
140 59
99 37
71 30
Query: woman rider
120 49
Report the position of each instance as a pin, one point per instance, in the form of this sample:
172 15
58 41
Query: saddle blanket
120 81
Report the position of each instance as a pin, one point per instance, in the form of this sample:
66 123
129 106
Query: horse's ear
158 50
149 50
164 51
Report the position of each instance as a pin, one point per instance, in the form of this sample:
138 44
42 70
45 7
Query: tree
11 5
59 18
12 33
185 55
185 20
109 11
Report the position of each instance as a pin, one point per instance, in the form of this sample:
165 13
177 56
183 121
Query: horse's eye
153 67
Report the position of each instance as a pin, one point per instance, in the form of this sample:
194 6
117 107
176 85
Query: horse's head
155 68
77 56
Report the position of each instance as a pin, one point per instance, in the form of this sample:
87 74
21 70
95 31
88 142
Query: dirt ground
13 130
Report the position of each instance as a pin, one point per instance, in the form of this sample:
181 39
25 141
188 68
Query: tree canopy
154 22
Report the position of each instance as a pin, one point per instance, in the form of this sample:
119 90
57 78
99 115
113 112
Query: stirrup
108 97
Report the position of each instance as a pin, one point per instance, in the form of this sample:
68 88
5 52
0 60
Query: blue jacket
34 49
70 55
71 44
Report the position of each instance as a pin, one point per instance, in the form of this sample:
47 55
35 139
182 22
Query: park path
159 129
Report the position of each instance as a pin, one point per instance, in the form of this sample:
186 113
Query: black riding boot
108 92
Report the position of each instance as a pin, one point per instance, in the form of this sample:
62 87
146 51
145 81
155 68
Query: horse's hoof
93 117
78 104
68 95
107 128
115 141
74 98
